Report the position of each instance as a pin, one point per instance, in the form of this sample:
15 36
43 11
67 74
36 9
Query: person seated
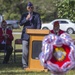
56 29
6 39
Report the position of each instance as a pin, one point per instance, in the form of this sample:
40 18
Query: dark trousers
8 50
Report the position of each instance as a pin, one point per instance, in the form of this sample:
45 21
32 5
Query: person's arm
1 35
10 35
23 20
38 22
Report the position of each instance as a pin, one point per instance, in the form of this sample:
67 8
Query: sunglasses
30 7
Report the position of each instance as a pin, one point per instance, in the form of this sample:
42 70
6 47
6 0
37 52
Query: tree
66 9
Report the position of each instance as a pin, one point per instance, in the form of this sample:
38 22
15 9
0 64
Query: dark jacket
35 23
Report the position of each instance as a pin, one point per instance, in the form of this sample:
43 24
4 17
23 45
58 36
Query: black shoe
24 67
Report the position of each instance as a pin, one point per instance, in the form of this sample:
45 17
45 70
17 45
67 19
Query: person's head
30 7
56 26
3 24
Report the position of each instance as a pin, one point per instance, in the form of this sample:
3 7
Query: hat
3 22
56 23
29 4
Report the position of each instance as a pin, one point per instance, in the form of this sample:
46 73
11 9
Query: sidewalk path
16 32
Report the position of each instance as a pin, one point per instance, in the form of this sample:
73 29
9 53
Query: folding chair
17 44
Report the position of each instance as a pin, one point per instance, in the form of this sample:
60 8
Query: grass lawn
16 68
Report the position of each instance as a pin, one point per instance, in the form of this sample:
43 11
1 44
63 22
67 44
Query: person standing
29 20
6 39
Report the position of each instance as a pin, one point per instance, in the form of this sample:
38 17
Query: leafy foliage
48 9
67 9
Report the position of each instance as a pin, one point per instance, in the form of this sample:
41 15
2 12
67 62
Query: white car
13 24
65 25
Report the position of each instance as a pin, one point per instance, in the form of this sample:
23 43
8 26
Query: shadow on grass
16 68
11 66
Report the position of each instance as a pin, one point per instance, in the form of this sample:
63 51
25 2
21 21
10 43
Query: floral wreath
58 54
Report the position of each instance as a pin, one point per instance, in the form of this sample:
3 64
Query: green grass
16 68
17 30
